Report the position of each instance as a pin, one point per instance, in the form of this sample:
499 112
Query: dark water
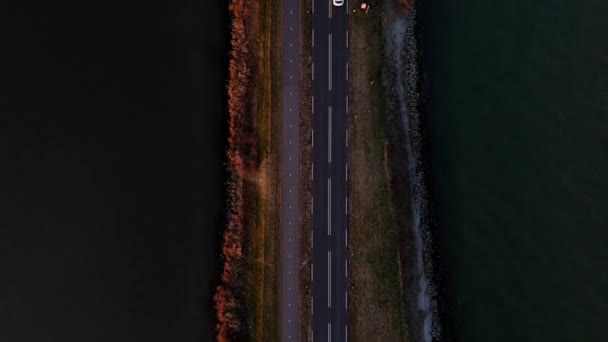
519 143
112 135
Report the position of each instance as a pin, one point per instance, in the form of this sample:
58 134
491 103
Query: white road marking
346 104
329 135
347 71
329 279
312 138
312 276
329 3
329 332
347 137
313 71
313 35
346 172
346 233
346 299
312 103
347 37
329 56
345 268
329 207
346 207
346 204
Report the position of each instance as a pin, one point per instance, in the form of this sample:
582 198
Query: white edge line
347 71
346 268
329 56
329 207
329 279
329 135
346 104
346 299
347 36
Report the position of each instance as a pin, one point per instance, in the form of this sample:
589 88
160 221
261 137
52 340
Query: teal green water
519 150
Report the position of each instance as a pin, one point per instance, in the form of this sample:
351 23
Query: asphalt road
329 241
290 171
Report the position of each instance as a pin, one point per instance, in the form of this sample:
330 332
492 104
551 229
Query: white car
338 3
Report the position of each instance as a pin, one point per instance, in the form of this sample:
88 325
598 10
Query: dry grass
376 307
264 236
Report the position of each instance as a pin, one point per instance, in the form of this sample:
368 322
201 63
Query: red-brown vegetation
241 164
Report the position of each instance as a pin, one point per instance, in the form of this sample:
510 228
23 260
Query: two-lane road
329 186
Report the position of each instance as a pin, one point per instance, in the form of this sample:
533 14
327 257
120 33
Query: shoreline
419 90
424 84
407 96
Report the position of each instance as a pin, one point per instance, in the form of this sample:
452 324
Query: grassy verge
264 248
376 306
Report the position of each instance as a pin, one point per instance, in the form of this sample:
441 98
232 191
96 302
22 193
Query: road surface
329 186
290 171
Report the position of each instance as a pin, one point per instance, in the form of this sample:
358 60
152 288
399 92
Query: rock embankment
403 98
